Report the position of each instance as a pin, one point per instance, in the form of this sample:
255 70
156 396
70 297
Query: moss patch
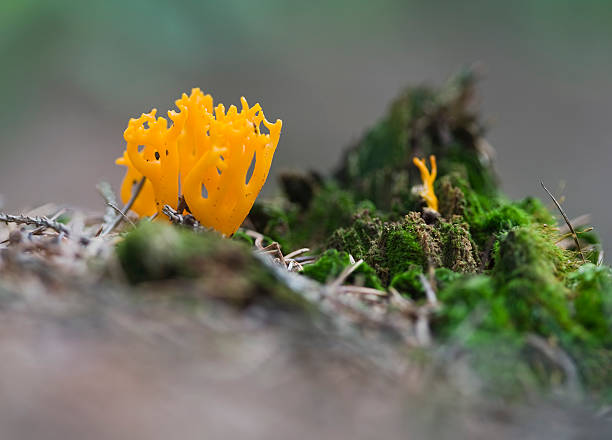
212 267
331 264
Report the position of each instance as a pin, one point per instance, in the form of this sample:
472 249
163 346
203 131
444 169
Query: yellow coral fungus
427 192
144 205
222 159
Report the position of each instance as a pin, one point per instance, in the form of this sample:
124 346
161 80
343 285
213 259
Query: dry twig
432 299
41 222
121 213
125 209
107 193
345 274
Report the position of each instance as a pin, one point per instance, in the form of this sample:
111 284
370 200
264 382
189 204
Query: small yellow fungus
219 159
427 192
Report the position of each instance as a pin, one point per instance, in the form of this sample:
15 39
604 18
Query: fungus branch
428 179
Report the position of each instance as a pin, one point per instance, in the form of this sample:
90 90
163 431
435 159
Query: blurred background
73 73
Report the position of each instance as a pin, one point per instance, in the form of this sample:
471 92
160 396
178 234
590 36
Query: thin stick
186 220
172 215
296 253
107 193
125 209
36 221
567 221
429 291
363 290
581 220
345 274
257 236
421 328
53 217
120 213
569 234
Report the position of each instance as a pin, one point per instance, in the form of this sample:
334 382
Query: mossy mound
495 263
208 265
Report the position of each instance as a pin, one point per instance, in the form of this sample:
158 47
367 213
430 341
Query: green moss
390 247
451 198
503 218
459 252
243 237
293 226
592 292
532 250
360 238
445 277
211 266
154 251
402 250
455 190
523 292
331 208
536 209
488 226
534 288
409 283
394 247
471 298
528 268
488 216
331 264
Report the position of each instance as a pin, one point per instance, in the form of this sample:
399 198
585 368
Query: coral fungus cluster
220 160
